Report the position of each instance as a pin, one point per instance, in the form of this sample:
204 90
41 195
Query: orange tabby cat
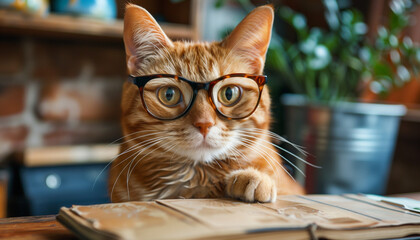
196 125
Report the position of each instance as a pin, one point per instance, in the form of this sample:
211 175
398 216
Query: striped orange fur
175 159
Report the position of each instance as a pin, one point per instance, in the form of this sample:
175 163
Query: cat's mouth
203 151
204 143
207 143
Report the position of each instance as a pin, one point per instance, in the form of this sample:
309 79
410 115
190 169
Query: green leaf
324 84
382 69
219 3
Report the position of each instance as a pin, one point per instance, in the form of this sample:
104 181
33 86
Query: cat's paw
251 185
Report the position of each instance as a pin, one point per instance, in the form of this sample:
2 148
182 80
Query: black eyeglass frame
141 81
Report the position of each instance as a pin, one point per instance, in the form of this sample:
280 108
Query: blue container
102 9
49 188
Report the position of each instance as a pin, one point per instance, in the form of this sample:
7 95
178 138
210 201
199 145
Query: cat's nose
204 127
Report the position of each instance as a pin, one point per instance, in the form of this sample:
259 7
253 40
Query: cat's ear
142 36
251 37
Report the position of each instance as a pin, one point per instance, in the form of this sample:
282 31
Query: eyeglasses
169 97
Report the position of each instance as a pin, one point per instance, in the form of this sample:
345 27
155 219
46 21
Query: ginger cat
196 116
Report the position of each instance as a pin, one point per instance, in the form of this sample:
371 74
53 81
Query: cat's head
202 134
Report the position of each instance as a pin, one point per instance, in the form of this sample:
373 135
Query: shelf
79 26
62 155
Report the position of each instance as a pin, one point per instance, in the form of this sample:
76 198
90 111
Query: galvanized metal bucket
353 143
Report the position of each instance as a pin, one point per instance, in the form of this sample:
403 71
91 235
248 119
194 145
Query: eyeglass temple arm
131 79
265 80
137 80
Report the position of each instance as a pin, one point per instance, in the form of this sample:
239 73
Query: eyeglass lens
236 97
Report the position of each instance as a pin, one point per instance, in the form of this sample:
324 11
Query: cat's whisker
142 136
294 155
275 152
130 168
217 162
269 133
168 149
125 136
280 148
273 161
159 141
275 136
138 161
144 144
264 155
173 153
236 152
116 180
283 157
239 153
134 147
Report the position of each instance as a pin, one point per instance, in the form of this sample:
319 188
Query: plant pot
353 143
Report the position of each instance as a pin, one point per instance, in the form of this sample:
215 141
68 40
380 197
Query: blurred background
62 66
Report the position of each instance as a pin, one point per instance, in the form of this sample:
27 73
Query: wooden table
34 228
47 228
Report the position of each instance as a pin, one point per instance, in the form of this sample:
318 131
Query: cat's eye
169 96
229 95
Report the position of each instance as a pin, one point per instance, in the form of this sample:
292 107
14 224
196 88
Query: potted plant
330 68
